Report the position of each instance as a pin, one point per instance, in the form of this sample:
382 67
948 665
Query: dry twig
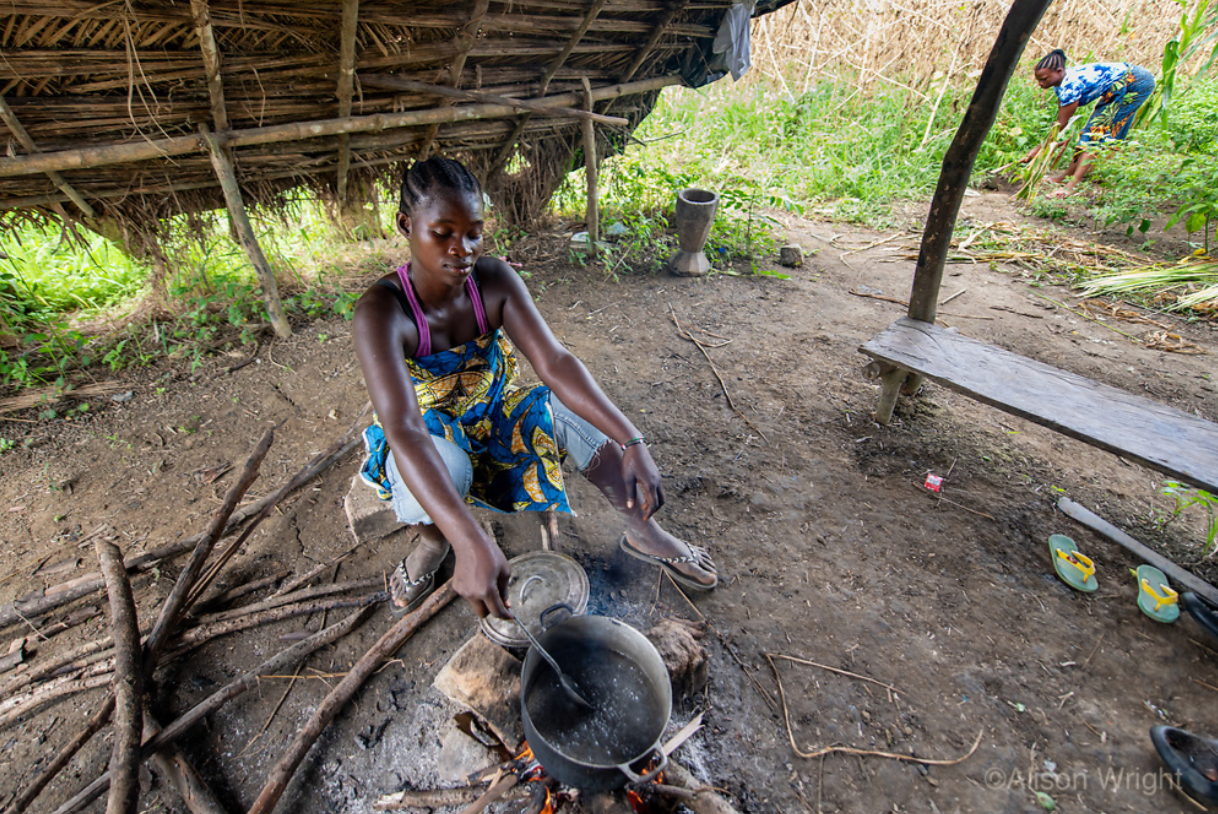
128 683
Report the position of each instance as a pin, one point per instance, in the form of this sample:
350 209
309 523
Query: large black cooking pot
624 678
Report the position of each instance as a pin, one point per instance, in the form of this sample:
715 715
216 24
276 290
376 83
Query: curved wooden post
1018 26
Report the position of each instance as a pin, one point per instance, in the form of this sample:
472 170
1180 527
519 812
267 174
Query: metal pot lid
539 579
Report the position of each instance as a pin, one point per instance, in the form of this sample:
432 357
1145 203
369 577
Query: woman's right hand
1035 151
481 577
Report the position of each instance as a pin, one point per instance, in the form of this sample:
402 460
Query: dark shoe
1193 760
1202 612
698 556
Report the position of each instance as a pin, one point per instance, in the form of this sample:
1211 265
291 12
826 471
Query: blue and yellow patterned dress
468 395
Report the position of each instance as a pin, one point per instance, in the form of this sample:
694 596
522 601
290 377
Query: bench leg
890 388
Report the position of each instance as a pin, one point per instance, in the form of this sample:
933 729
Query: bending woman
435 341
1117 88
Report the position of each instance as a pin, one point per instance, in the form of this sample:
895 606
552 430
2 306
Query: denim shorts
578 439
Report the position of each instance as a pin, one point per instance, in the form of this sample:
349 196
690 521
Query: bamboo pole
464 43
23 136
396 83
1018 26
592 215
128 683
300 131
346 84
245 235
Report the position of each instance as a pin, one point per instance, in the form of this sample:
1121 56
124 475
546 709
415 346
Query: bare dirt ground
830 548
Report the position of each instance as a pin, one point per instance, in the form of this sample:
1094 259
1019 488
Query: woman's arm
567 377
1064 114
383 337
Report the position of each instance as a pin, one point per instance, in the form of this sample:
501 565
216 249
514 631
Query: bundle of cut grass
1191 285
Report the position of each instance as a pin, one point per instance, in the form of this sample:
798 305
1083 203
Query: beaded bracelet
633 441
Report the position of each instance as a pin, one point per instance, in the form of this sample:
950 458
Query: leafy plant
1185 498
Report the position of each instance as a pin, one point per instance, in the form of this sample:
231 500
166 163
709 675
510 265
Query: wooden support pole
211 62
245 234
1018 26
890 388
649 46
128 683
346 87
300 131
464 43
532 105
23 136
592 214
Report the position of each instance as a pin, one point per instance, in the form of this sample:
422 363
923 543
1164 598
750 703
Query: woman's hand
1035 151
481 577
644 492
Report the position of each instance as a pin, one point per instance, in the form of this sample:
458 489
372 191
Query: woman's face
1048 77
445 234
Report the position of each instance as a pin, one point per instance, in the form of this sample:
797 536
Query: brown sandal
698 556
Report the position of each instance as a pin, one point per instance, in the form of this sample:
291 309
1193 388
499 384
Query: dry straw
906 42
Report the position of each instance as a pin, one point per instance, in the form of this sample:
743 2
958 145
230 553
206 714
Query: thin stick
295 582
388 644
289 599
685 334
128 683
99 719
500 788
220 697
437 798
1207 686
1095 649
198 635
43 696
848 750
765 696
869 246
888 687
953 296
177 602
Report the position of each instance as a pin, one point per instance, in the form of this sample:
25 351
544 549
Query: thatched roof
105 104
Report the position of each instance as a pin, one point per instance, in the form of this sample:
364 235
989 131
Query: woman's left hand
644 491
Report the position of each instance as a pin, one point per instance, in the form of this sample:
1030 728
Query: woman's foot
415 577
690 566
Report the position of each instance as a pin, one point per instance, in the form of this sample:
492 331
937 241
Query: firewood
276 664
195 792
128 683
22 801
40 604
178 601
388 644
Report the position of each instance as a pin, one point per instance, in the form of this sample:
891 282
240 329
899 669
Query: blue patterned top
1086 83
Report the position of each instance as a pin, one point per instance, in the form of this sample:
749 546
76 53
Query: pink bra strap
416 310
420 319
475 297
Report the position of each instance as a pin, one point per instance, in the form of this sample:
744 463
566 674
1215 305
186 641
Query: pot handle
543 617
645 778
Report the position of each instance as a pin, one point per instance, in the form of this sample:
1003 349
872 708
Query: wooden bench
1136 428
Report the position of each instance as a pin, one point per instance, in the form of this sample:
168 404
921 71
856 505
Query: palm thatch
106 107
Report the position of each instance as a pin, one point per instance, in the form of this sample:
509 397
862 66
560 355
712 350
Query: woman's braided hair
425 177
1055 60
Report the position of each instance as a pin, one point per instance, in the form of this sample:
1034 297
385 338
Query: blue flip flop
1155 597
